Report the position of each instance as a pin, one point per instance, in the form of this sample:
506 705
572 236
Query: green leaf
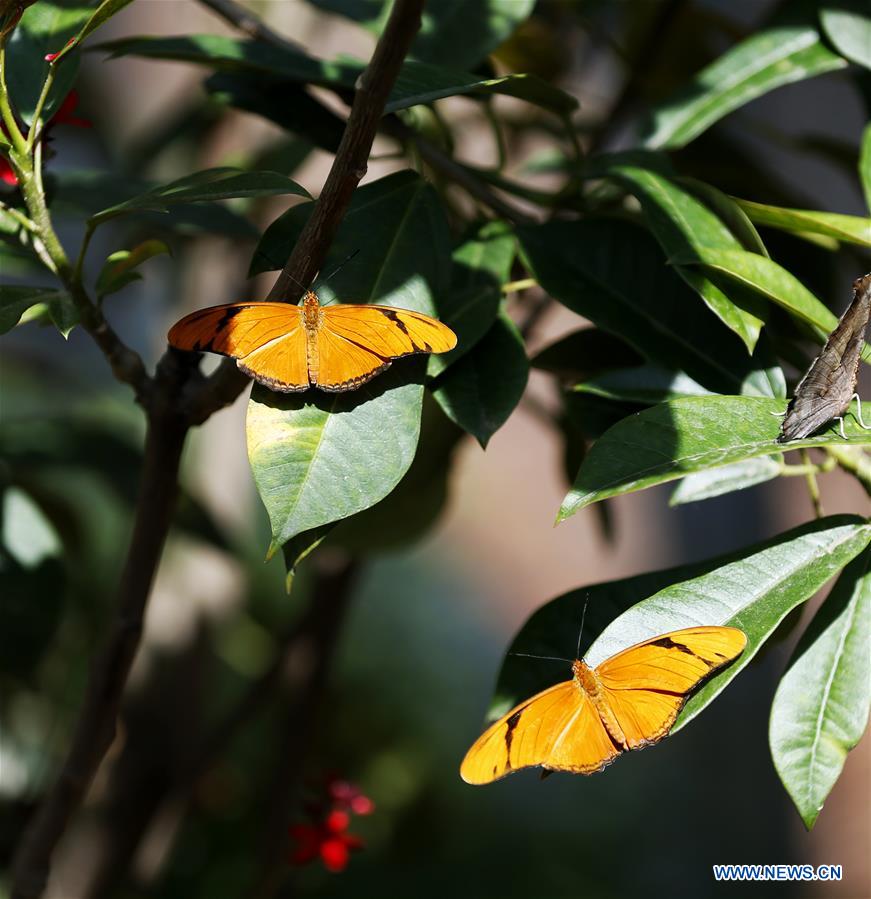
100 16
77 194
777 284
457 32
205 187
19 304
417 82
848 228
821 707
552 630
318 457
44 28
481 265
754 593
118 270
481 390
725 479
865 165
847 25
687 435
682 224
646 384
767 60
613 274
729 212
422 83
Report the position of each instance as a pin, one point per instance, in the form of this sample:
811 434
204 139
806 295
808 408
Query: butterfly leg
840 420
862 424
778 414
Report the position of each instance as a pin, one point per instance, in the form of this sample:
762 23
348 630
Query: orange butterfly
630 701
291 348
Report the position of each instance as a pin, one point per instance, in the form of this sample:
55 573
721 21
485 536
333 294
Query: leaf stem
812 485
40 104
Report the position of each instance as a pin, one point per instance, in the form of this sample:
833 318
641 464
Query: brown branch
95 728
373 89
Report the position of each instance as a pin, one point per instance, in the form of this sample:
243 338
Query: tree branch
373 89
95 728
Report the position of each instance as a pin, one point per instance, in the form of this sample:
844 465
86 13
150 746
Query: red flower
348 796
7 176
328 839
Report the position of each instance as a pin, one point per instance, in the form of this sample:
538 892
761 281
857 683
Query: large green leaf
682 224
646 384
120 267
319 458
687 435
821 707
848 228
204 187
553 629
614 274
482 264
20 304
480 391
44 28
418 82
847 24
754 593
777 284
765 61
456 32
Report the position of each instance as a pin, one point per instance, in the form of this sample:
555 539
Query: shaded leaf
583 353
456 32
481 390
100 16
766 60
614 274
206 186
20 304
725 479
865 165
481 265
821 707
646 384
44 28
687 435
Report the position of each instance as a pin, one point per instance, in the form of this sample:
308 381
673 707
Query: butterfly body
628 702
292 348
826 390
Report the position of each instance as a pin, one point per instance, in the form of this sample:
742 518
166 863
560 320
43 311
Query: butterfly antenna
581 630
529 655
340 265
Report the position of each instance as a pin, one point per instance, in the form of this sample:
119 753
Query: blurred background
430 621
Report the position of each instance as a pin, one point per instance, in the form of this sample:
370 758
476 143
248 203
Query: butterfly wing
355 343
827 387
267 340
558 729
646 685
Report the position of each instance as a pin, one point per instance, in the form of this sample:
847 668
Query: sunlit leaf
847 24
821 707
725 479
848 228
119 270
687 435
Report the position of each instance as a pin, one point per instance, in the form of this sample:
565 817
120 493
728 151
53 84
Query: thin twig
246 22
812 486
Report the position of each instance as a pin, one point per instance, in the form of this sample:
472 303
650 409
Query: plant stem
6 114
40 103
812 486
